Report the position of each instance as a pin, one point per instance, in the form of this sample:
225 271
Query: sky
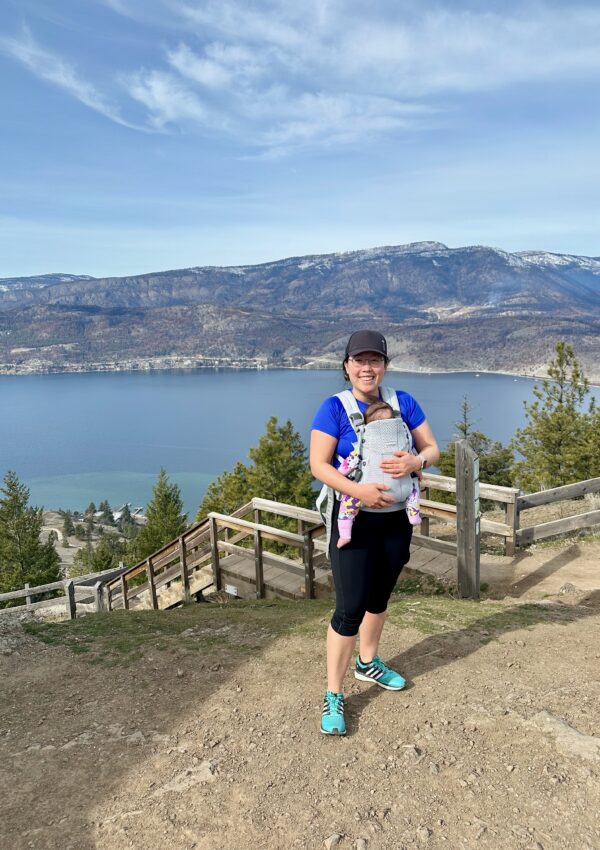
142 135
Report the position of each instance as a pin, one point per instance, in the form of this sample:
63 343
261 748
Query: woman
366 570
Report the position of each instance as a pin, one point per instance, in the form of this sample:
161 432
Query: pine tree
557 444
23 556
495 460
165 520
228 492
107 514
91 508
105 556
278 471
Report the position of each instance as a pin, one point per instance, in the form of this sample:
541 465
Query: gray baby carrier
375 441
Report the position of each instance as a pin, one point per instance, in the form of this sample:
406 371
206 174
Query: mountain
473 308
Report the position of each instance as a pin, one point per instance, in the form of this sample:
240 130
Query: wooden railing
80 587
544 530
506 496
201 546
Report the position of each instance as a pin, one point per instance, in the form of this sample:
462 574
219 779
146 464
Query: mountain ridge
473 307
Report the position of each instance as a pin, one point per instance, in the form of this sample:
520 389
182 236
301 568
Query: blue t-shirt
332 419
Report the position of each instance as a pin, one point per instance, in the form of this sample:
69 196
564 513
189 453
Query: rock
361 844
333 840
510 767
180 674
136 739
424 833
204 772
568 740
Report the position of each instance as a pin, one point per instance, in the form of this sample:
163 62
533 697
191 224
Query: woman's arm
405 462
322 447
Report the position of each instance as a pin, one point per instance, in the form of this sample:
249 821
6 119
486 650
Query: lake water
76 438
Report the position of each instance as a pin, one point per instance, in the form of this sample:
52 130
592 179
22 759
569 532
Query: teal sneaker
332 718
378 672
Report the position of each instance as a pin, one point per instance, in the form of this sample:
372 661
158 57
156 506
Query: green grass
246 627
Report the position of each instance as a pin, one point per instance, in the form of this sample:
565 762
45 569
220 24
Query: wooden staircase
227 552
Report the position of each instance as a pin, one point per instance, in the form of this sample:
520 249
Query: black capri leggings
366 569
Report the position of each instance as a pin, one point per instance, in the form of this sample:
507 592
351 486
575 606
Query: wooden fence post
70 597
424 529
467 520
28 599
99 596
511 518
214 545
124 592
185 576
258 564
309 566
108 598
151 583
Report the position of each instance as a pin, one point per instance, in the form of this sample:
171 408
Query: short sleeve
411 410
327 418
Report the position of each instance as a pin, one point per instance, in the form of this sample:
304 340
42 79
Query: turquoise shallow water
75 438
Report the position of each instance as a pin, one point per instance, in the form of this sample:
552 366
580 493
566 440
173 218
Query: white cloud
53 69
167 100
280 74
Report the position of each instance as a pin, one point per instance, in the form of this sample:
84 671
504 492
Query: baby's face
381 414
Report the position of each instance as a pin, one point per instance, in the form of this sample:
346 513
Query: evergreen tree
23 556
280 468
89 528
165 520
228 492
68 527
125 524
91 508
107 514
105 556
279 471
557 444
495 460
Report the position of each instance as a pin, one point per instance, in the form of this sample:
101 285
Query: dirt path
210 740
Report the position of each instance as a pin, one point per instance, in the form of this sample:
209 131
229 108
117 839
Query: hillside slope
465 308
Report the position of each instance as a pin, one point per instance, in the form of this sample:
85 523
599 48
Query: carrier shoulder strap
390 396
357 420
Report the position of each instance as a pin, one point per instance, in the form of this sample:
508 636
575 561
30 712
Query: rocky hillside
465 308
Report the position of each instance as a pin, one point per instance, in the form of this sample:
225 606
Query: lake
76 438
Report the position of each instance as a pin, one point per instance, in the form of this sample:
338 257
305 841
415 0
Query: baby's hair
372 410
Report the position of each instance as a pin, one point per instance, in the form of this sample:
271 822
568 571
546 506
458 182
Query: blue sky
140 135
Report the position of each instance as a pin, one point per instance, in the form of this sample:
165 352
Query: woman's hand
374 495
403 463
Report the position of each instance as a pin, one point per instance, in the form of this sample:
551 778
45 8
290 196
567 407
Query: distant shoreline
163 364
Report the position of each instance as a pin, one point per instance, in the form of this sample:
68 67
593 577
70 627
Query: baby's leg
413 503
349 507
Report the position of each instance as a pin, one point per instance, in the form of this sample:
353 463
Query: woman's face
365 371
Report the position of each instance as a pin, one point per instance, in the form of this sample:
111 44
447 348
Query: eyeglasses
367 361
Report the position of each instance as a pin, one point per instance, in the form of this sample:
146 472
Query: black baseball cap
366 341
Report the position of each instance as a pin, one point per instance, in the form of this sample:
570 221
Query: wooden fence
505 496
544 530
77 589
193 561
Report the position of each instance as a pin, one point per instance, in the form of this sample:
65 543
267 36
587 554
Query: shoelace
334 703
377 662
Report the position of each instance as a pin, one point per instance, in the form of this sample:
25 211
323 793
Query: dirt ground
198 729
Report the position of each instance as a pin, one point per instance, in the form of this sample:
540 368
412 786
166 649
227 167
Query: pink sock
345 529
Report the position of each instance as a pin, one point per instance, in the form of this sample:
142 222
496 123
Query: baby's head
378 410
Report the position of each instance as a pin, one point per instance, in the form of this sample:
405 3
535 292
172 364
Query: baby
350 506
